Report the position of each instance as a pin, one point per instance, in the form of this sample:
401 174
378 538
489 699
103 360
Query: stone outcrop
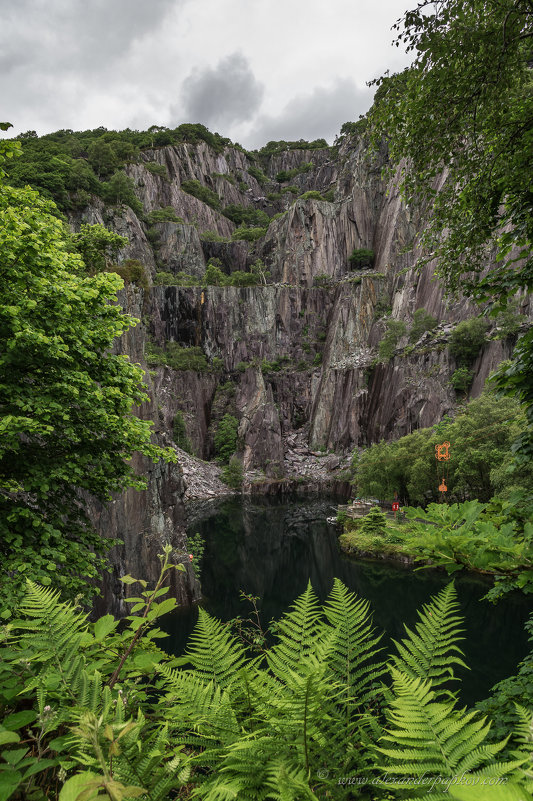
294 360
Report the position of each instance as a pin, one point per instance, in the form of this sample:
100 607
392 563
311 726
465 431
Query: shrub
241 367
156 168
179 431
258 174
203 193
395 331
240 278
132 272
226 437
373 523
248 234
121 190
311 195
322 280
175 279
361 259
293 190
212 236
166 214
246 216
467 339
232 474
329 196
317 360
461 379
213 275
422 322
177 357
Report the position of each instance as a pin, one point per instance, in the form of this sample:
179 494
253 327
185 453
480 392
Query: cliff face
293 360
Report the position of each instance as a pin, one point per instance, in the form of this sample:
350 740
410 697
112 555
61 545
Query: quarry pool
271 548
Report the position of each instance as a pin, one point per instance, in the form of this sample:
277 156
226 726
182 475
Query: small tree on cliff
66 423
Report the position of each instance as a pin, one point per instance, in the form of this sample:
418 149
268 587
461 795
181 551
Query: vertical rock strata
294 360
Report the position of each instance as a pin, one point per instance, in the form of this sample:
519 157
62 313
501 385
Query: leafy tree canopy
462 117
66 422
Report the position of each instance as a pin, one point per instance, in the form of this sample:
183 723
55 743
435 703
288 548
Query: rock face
293 360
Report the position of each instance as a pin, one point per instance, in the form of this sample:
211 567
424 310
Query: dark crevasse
271 548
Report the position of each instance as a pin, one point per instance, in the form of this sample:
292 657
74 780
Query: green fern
431 651
214 654
429 738
297 634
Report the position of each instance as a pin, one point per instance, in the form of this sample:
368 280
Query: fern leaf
297 632
214 654
430 652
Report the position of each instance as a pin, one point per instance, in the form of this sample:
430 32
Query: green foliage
248 234
258 174
374 522
311 195
259 269
214 276
97 246
461 379
232 473
323 280
246 216
361 259
394 331
480 437
274 148
223 724
466 104
132 271
179 432
167 214
196 547
212 236
467 339
476 536
502 703
359 127
67 425
176 279
226 437
203 193
287 175
121 190
422 322
177 356
156 168
91 722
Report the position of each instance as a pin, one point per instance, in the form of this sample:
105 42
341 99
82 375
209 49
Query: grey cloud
220 96
316 115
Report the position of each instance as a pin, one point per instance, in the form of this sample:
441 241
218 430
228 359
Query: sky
253 70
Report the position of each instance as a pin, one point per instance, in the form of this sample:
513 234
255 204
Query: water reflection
272 548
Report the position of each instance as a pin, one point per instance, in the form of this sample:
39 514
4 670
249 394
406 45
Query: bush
132 272
203 193
156 168
177 357
213 275
241 278
166 214
467 339
258 174
232 474
121 190
292 190
248 234
395 331
361 259
317 360
212 236
179 431
226 437
422 322
175 279
323 280
246 216
461 379
373 523
311 195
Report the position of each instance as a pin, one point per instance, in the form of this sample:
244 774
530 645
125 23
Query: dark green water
271 549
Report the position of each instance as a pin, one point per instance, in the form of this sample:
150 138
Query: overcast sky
253 70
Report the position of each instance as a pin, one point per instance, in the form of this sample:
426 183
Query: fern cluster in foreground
94 712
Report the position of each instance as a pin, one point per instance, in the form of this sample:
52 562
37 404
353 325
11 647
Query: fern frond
430 652
352 651
214 654
430 737
297 634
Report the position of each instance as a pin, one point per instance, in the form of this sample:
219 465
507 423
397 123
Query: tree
98 246
67 430
120 189
461 119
